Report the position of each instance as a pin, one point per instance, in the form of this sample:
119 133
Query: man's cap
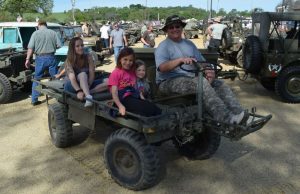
174 19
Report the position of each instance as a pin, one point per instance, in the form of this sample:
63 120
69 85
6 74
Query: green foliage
24 6
137 13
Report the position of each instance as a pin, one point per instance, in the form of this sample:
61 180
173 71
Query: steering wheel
201 66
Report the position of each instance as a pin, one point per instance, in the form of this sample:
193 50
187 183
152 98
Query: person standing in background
43 43
148 38
105 30
117 40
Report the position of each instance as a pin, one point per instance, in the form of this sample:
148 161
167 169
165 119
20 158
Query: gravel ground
266 161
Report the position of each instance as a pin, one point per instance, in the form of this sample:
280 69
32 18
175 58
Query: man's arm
27 62
172 64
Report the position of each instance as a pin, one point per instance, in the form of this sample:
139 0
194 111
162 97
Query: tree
22 6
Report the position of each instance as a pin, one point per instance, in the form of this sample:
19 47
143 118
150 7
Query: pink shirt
121 78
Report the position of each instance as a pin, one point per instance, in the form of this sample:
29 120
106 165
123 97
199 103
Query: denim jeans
105 42
69 88
41 64
116 52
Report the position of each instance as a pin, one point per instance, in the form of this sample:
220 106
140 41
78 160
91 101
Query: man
219 101
43 43
85 29
117 40
148 38
215 31
105 30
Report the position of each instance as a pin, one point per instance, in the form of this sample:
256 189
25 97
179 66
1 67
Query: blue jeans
105 42
146 46
41 64
116 52
69 88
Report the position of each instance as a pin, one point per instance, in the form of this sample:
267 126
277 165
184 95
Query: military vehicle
272 53
132 32
233 38
191 30
14 38
130 152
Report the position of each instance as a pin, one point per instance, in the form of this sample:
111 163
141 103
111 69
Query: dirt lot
267 161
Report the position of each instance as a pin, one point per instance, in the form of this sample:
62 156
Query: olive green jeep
272 53
131 153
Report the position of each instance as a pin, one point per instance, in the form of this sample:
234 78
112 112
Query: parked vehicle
272 53
130 152
14 38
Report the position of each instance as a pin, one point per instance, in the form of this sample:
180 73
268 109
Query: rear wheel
130 160
60 127
5 89
287 84
202 147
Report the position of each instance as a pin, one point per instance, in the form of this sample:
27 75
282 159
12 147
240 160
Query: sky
228 5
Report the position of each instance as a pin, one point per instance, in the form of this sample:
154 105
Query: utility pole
210 12
73 11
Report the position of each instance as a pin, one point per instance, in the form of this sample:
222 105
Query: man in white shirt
105 30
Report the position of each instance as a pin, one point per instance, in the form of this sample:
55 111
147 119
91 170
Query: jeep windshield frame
266 25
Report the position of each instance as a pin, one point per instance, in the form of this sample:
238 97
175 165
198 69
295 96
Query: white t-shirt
104 31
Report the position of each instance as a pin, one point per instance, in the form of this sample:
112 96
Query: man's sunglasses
174 26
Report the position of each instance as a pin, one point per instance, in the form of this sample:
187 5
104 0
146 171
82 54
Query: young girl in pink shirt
122 86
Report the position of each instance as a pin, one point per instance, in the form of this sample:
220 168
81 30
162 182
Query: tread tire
5 89
202 147
252 55
126 147
287 84
60 127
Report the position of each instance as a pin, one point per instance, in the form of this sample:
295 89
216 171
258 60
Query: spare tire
226 38
252 55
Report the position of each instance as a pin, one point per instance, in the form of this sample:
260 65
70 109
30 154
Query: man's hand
210 75
27 63
188 60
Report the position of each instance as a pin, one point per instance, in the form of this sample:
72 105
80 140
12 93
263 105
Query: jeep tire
60 127
5 89
287 84
252 55
226 39
130 160
202 147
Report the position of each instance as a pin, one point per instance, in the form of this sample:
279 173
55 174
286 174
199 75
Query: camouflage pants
218 99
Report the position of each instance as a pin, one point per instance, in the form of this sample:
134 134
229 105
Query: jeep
272 53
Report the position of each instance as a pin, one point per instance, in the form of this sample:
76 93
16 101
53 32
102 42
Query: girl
122 83
142 84
80 70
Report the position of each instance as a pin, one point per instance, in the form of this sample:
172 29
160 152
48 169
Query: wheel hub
126 161
293 85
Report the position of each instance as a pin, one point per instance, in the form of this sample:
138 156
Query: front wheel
130 160
287 84
5 89
203 146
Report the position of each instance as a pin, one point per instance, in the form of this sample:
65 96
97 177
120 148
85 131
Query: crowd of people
128 82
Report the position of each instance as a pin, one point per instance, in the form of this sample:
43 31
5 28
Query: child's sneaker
88 103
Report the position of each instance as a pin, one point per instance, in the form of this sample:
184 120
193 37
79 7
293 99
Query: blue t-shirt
169 50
